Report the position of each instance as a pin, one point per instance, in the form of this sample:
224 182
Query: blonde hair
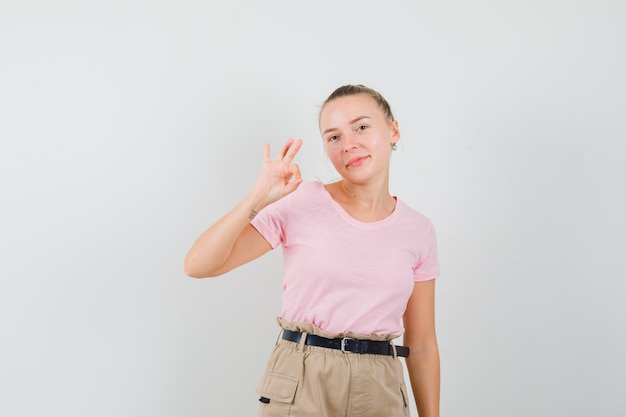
351 90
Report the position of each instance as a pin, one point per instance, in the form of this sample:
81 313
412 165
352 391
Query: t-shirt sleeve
271 221
428 266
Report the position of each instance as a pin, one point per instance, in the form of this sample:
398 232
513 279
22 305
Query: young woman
359 271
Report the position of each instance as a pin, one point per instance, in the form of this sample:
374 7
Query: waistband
311 328
346 344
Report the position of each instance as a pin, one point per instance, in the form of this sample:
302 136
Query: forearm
231 241
424 373
213 248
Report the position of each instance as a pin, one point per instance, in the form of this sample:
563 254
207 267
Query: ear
395 132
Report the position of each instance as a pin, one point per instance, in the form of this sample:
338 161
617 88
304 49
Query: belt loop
393 349
303 336
280 333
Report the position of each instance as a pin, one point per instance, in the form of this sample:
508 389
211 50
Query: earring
394 146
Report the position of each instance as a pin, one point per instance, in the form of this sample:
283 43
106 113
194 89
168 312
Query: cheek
333 154
329 149
333 151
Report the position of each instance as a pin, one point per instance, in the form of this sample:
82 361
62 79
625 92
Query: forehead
344 109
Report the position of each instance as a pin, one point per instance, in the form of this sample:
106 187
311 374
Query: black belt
347 344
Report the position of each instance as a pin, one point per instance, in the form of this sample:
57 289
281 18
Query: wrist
253 204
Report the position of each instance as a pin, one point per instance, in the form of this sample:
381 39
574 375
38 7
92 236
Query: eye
362 127
332 138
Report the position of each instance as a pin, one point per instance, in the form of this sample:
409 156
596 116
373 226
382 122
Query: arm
420 336
232 241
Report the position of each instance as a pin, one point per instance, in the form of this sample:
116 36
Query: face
357 137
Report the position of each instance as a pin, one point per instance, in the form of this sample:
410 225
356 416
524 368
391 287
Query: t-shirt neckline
343 213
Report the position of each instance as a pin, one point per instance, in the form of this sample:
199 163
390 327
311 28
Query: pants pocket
277 393
405 398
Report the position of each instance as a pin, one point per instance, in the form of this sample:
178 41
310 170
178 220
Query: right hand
279 177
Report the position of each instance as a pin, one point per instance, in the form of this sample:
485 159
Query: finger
294 170
296 181
293 150
293 185
266 153
283 151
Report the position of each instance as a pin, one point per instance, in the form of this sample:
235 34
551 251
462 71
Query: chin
357 179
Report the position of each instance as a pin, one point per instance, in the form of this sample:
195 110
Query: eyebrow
351 122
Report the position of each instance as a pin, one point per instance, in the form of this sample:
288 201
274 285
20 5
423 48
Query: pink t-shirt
344 275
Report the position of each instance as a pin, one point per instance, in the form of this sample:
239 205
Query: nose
349 142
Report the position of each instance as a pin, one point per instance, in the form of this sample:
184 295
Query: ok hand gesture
280 176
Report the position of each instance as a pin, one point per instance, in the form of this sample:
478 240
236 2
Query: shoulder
311 186
307 190
410 215
307 193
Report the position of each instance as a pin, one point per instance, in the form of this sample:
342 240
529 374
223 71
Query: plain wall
128 127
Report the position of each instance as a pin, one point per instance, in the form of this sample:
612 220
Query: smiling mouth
356 162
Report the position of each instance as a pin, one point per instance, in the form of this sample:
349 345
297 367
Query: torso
343 274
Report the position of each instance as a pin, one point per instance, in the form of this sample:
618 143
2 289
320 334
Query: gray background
128 127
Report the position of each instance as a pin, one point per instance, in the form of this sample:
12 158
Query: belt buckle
343 344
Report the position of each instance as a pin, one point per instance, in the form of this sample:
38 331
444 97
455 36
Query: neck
370 196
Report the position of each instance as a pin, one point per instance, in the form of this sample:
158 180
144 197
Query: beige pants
303 381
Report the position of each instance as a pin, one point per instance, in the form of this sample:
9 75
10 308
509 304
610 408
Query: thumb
291 186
